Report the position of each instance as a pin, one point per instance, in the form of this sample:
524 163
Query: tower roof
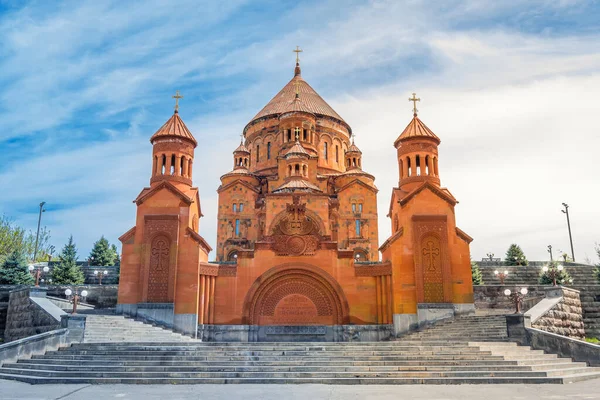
242 148
353 148
174 127
297 149
416 128
286 100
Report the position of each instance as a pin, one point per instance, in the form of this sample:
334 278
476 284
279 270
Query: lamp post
74 297
550 251
501 275
490 256
553 273
36 271
566 211
516 297
100 274
37 235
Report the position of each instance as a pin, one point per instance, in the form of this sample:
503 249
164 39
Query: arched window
232 256
268 150
172 171
337 154
237 227
304 135
418 165
357 226
181 172
427 165
241 207
257 153
304 170
164 165
297 169
234 207
325 151
361 256
289 135
155 165
409 167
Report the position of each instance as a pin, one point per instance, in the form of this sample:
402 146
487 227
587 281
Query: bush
476 274
562 276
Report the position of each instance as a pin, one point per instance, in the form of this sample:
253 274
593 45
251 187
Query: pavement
12 390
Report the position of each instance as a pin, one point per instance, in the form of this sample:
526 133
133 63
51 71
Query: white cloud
516 112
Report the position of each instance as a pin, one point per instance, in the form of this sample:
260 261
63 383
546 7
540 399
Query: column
422 165
185 167
207 298
378 291
390 300
159 162
431 172
201 305
190 168
213 281
177 165
384 306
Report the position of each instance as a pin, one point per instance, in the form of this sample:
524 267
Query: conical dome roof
297 150
174 127
353 148
311 102
242 149
416 128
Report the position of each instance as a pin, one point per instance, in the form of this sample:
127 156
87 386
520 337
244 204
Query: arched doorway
295 295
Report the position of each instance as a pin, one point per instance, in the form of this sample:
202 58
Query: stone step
332 381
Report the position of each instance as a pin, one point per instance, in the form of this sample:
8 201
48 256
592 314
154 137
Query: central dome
286 99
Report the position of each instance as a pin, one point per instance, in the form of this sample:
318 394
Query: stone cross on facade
430 252
297 133
414 99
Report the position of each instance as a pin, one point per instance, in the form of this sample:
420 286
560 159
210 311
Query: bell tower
417 152
173 151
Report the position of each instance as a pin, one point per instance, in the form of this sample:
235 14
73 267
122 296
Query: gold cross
297 132
297 85
177 97
414 100
297 51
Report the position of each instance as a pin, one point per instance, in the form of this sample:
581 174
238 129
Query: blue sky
510 87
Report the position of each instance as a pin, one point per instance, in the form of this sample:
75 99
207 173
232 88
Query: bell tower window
337 154
304 135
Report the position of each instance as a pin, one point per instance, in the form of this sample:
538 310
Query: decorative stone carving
158 275
295 233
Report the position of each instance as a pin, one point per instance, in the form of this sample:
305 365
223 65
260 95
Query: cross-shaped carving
430 252
414 100
297 133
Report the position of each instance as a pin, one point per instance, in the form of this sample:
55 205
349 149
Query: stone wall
582 274
492 297
565 317
25 317
3 312
100 296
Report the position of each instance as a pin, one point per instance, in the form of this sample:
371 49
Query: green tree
476 274
67 272
14 270
117 262
103 253
13 237
515 256
562 276
597 269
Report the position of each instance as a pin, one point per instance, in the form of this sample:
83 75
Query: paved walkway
10 390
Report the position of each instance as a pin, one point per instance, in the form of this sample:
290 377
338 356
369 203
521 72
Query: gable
233 184
443 194
148 193
357 182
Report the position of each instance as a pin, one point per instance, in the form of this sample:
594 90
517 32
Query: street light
516 297
36 271
74 297
553 273
501 276
550 251
37 235
100 274
566 211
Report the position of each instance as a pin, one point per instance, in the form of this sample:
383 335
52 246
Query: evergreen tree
102 253
562 276
14 270
515 256
67 272
117 263
476 274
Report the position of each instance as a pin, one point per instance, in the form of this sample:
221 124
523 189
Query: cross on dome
298 51
414 100
177 97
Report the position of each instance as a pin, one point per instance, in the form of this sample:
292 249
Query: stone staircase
476 328
118 329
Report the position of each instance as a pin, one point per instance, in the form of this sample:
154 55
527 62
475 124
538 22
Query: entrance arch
295 294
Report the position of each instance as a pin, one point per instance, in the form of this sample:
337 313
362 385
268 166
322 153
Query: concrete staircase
118 329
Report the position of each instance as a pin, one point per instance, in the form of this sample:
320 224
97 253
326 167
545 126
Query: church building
297 253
